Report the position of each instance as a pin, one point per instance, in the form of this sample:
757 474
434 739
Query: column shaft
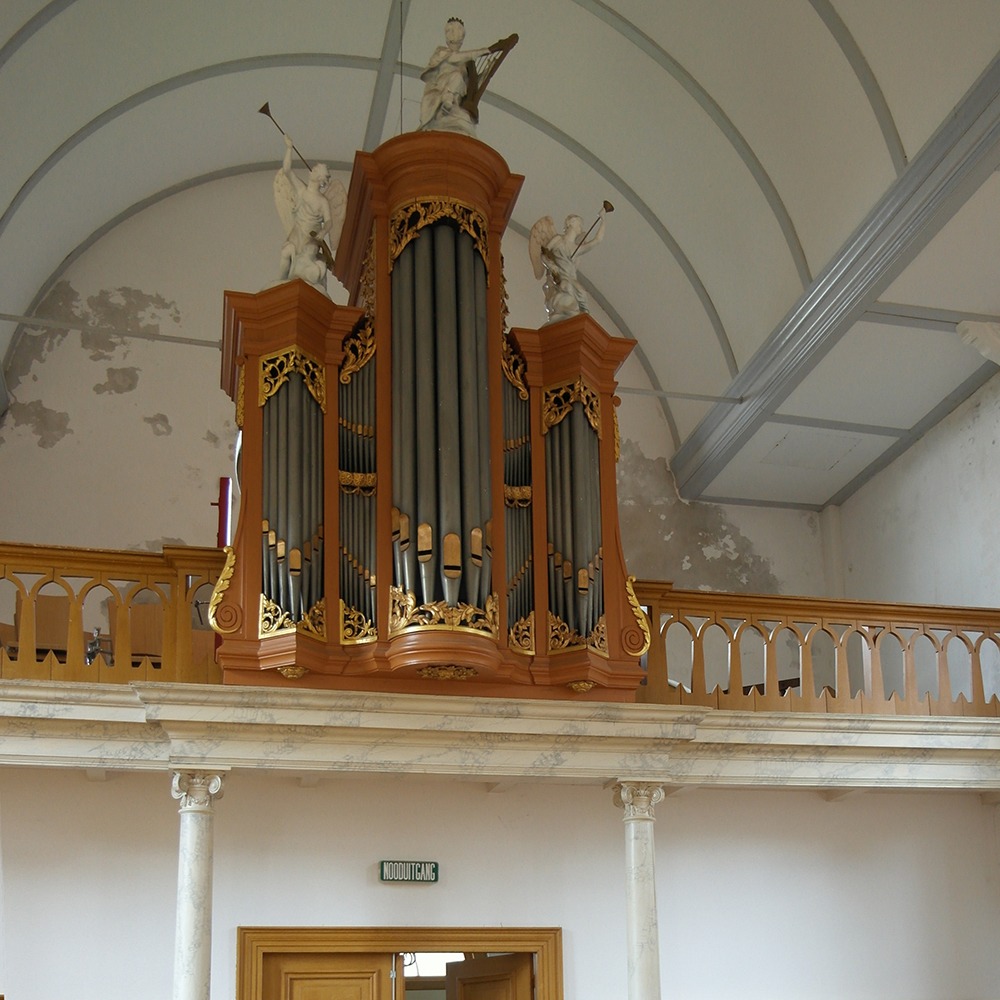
643 940
193 944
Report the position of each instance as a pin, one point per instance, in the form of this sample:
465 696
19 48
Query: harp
481 71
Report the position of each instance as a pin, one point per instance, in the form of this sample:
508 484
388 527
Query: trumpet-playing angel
553 258
312 214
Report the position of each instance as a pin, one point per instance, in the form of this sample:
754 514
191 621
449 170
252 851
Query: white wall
926 529
761 894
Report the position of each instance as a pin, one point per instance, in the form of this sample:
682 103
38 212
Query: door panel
498 977
317 976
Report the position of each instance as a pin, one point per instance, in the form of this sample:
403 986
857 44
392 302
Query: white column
193 945
638 798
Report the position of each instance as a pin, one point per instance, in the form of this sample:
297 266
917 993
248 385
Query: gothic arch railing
745 652
752 652
107 616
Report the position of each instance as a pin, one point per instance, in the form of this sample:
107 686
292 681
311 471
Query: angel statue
553 258
455 79
313 216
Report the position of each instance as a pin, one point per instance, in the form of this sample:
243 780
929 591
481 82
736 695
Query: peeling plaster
159 423
119 380
130 310
109 317
691 544
49 426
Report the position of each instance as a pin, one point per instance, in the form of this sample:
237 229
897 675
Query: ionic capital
196 790
638 798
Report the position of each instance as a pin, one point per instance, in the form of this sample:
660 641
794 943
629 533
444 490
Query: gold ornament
408 220
558 400
225 620
447 673
275 369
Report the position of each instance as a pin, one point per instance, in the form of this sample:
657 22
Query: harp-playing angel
312 213
553 259
456 78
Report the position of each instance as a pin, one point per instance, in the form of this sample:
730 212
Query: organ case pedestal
429 500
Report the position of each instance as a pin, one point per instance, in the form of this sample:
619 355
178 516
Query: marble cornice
146 726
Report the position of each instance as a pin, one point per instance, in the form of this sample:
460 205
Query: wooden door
318 976
498 977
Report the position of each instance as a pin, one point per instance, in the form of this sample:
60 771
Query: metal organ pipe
468 385
485 480
441 488
448 392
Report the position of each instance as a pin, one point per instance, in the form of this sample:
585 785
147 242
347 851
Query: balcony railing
791 654
107 616
115 617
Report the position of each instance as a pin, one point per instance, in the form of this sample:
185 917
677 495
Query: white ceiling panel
884 375
790 464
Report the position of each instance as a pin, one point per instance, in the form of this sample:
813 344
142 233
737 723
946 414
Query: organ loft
428 496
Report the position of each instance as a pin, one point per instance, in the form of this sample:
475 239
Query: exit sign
408 871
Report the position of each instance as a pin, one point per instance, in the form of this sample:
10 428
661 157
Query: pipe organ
428 497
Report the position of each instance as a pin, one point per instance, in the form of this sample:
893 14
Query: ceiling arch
741 158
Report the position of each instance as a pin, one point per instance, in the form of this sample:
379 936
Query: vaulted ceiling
807 204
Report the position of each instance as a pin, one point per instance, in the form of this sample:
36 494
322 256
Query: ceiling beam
391 55
939 180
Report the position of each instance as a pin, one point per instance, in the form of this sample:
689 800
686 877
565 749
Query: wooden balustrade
793 654
114 617
107 616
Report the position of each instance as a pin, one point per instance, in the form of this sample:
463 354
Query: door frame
254 943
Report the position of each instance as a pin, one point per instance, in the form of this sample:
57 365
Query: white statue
313 216
553 258
450 101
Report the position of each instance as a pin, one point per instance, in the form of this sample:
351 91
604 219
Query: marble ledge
266 706
160 726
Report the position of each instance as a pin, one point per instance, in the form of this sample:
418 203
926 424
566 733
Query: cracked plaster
694 545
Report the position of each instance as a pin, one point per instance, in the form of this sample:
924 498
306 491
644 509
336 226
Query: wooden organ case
428 498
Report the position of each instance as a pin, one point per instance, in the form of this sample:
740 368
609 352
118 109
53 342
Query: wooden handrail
150 603
747 652
756 652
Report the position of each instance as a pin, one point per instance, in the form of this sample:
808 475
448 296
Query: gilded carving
598 639
558 400
637 645
516 496
402 605
404 613
224 619
522 635
504 304
366 291
354 627
514 367
314 621
241 394
408 220
275 369
358 482
448 673
273 620
562 637
359 349
293 673
580 687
